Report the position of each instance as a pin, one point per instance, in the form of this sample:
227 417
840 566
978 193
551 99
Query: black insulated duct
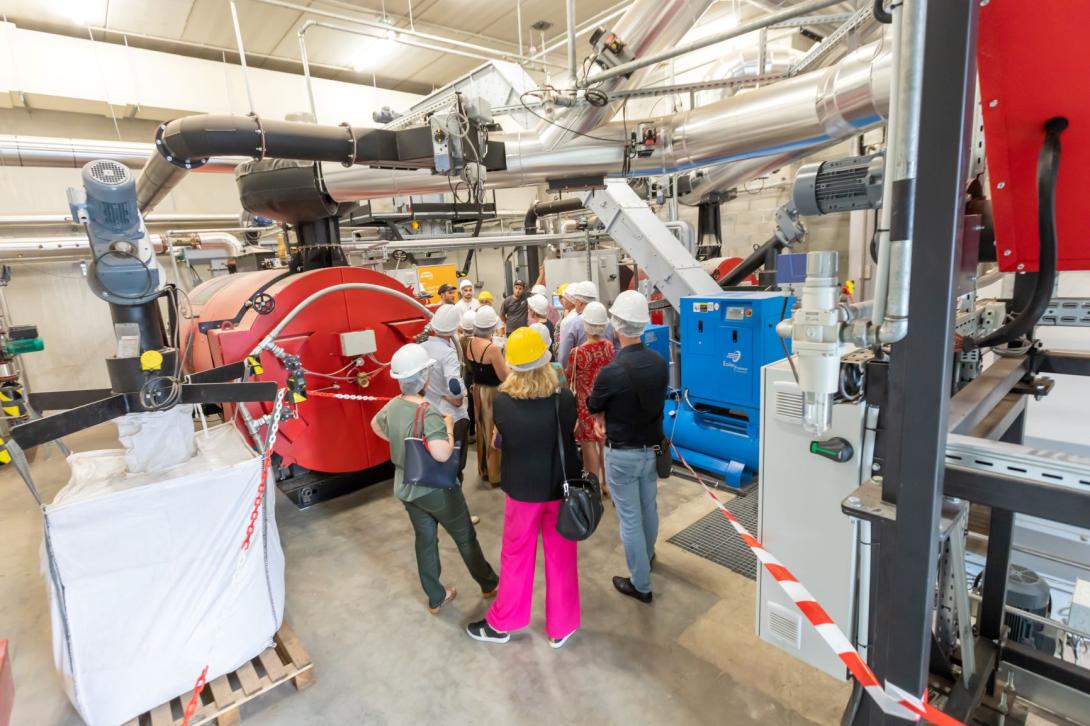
284 190
187 143
555 206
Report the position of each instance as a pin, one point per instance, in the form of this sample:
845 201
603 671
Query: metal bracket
853 22
1067 311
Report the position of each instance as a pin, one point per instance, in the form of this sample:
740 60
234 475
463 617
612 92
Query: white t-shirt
448 365
463 306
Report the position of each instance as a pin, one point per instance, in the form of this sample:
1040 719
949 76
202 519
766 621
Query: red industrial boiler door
1033 58
330 435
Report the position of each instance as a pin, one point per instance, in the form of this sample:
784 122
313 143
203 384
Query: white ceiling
272 31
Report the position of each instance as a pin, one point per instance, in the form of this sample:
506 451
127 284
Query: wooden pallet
287 660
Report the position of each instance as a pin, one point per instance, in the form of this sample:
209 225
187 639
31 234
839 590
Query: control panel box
358 342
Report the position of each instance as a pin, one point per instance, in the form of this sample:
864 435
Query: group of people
582 381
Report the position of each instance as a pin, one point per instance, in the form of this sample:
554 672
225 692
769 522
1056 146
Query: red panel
1033 58
330 435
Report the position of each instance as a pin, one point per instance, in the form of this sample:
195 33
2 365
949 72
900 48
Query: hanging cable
1048 168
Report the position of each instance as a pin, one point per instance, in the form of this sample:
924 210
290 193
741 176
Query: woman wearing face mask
429 507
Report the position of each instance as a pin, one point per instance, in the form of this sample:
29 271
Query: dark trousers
448 508
461 440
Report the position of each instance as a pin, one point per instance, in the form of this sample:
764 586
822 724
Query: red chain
265 464
194 700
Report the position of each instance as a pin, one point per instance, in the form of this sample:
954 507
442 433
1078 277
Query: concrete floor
355 601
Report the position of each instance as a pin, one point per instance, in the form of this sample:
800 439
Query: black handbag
581 510
420 469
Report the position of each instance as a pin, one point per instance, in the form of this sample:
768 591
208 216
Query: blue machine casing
714 418
657 338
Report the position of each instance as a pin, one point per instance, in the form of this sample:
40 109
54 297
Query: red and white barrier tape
891 699
346 396
262 487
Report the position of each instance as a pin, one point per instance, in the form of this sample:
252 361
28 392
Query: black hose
881 14
555 206
1048 168
751 264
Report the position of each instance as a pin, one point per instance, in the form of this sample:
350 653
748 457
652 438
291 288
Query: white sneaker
556 643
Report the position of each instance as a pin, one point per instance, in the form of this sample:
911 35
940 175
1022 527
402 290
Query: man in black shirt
627 402
514 310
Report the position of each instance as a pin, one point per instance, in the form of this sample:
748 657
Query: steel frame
922 463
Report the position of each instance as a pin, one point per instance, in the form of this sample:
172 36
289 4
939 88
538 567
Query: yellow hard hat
485 296
526 350
560 290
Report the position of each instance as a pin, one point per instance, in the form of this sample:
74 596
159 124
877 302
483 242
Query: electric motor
840 186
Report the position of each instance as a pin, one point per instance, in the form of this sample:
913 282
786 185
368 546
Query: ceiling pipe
14 248
588 26
646 27
793 115
491 53
650 59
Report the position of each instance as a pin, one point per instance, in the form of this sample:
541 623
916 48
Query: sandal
451 594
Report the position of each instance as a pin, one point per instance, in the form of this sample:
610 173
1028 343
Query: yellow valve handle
151 360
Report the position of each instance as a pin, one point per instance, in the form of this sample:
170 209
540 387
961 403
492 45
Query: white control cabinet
800 521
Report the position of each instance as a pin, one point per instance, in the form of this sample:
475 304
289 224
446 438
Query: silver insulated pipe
799 113
74 153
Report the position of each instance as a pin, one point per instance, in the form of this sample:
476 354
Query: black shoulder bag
420 469
664 462
581 510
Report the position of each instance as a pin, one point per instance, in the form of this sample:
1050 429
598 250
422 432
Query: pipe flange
173 160
352 138
263 149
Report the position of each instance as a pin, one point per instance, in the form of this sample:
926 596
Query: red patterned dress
583 366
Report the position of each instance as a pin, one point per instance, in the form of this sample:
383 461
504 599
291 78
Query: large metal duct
787 117
74 153
648 26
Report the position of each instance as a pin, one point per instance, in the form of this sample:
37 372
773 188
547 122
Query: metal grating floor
712 537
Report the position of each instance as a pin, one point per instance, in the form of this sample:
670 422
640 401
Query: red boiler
330 435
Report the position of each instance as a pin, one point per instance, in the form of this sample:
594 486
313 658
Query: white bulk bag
140 570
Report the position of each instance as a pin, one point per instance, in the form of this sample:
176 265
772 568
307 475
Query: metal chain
262 487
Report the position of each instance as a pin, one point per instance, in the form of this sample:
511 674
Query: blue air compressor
714 417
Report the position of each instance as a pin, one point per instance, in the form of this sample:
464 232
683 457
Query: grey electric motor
839 186
123 270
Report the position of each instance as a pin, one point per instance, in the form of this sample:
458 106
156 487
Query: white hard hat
586 290
543 331
464 283
540 290
409 360
446 319
538 304
595 314
631 306
469 318
486 318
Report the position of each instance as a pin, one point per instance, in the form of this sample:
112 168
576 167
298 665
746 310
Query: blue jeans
633 483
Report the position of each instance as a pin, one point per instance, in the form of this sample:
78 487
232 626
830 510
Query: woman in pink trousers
532 417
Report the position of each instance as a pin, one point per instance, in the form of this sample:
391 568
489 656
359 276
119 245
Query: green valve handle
26 345
836 449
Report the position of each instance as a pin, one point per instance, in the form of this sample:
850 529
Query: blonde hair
538 383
